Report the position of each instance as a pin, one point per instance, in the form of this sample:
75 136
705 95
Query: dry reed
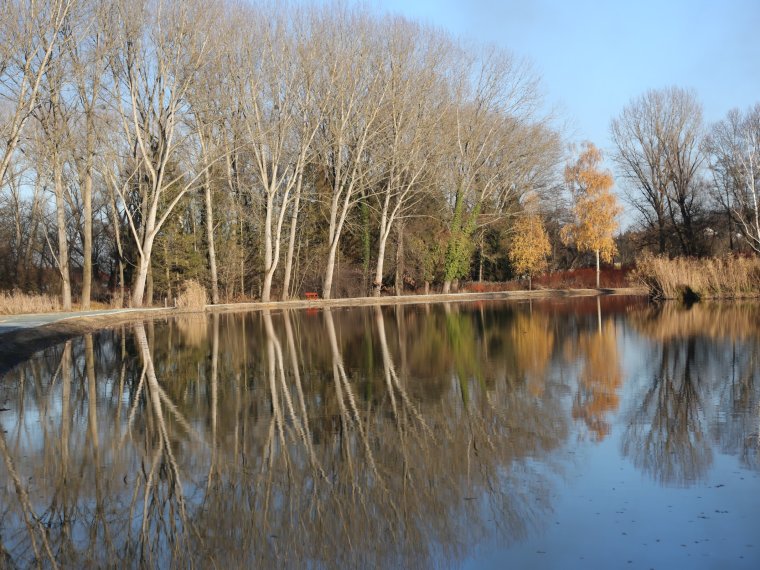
16 303
193 296
693 279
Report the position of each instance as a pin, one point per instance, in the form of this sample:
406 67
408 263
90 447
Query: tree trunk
329 269
121 281
337 218
399 280
292 240
119 249
269 262
385 230
63 247
141 279
661 232
446 287
34 223
597 269
242 261
87 245
210 239
377 283
167 273
149 286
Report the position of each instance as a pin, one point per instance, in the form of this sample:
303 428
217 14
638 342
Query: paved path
15 323
19 323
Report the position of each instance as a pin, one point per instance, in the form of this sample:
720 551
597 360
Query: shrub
193 296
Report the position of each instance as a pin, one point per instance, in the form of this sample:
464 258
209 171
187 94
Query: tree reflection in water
702 390
391 436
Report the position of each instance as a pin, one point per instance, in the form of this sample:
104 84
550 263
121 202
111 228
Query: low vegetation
690 279
16 302
193 296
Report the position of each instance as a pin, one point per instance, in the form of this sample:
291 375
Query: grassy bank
693 279
17 303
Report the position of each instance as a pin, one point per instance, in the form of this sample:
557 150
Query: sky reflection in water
543 434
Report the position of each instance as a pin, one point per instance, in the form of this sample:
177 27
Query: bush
193 296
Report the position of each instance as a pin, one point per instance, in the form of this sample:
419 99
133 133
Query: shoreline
23 335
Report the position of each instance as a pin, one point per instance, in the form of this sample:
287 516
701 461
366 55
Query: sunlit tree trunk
597 268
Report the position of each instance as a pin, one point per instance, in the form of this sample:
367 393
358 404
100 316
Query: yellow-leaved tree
595 207
529 247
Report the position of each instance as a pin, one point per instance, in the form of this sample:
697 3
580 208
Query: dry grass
193 296
692 279
16 303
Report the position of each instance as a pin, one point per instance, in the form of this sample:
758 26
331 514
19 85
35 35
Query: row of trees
692 184
266 150
254 147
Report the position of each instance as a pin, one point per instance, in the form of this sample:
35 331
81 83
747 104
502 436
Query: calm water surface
556 434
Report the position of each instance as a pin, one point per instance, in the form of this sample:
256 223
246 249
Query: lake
585 433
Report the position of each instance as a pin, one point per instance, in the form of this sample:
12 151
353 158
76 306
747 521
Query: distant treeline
267 150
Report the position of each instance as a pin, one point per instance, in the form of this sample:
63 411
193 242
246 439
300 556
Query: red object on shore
311 295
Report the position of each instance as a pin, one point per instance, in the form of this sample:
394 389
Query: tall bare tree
89 49
29 33
352 92
499 148
55 115
657 138
276 95
733 148
412 118
163 45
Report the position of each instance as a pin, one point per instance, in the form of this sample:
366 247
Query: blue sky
595 56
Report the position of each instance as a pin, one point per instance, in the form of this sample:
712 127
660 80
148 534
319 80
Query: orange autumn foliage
599 380
530 245
595 208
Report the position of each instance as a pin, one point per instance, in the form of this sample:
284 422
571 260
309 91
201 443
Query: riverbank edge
20 343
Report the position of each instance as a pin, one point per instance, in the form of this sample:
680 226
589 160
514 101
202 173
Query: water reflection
600 377
395 436
701 391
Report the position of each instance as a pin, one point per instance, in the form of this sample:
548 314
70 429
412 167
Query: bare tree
29 32
89 50
54 115
733 148
657 137
162 48
276 93
414 108
498 150
352 92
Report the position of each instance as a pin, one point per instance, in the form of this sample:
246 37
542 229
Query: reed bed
691 279
16 303
193 296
